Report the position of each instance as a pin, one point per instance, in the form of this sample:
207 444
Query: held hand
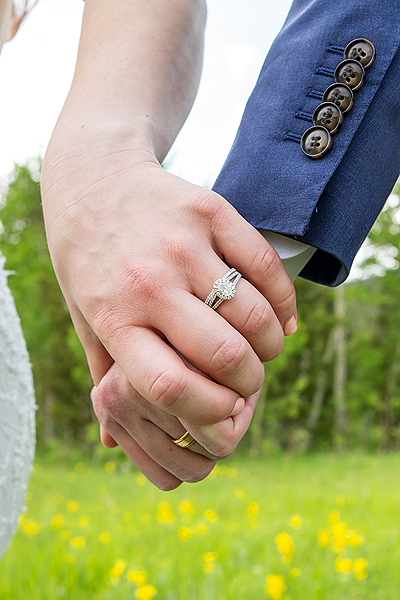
145 433
136 251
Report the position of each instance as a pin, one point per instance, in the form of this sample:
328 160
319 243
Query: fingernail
238 407
290 327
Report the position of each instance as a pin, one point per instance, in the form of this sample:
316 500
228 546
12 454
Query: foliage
335 385
306 527
61 378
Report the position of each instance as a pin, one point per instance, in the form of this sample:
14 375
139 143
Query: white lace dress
17 415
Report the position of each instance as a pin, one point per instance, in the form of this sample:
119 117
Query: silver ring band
223 289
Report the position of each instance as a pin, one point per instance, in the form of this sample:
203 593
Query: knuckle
144 281
105 406
275 347
208 205
258 319
178 248
256 381
110 396
266 262
103 319
287 304
168 389
229 356
108 323
225 446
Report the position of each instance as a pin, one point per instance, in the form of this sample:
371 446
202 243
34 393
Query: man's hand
145 433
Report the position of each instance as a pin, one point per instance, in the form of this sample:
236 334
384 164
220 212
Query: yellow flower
324 537
339 535
146 592
184 533
104 537
118 568
141 480
208 567
128 515
275 587
21 518
334 517
210 556
186 507
64 534
138 577
359 566
354 539
209 559
77 542
31 527
239 493
295 521
295 572
164 513
340 499
84 522
343 565
252 509
285 546
57 522
211 516
110 466
72 506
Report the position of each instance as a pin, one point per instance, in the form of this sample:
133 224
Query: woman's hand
136 251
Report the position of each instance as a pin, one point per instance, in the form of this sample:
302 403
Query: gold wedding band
185 441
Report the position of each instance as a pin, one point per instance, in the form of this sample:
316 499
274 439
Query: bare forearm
138 68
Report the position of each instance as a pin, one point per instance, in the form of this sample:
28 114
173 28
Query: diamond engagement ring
223 289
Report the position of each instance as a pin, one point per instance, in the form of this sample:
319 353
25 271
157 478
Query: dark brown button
328 115
362 51
351 73
316 141
341 95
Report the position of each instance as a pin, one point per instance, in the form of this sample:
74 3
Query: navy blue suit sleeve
332 202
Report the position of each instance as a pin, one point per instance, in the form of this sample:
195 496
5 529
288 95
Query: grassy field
318 527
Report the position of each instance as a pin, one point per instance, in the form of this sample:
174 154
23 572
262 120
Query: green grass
41 563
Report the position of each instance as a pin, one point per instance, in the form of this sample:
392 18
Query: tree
62 381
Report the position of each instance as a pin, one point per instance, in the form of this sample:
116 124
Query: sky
36 70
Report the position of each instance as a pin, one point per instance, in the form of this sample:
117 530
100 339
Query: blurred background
326 432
